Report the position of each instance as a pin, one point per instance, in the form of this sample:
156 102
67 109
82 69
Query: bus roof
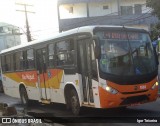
63 34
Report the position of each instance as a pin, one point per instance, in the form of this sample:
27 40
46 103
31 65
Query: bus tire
68 103
74 100
24 96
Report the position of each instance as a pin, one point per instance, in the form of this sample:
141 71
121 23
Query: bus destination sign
121 35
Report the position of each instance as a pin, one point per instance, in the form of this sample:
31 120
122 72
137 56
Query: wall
133 2
12 40
96 9
79 10
7 41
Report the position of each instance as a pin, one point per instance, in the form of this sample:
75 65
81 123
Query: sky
42 23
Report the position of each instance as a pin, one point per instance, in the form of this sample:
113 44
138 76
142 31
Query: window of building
5 29
30 63
70 10
138 9
1 30
126 10
51 55
105 7
65 52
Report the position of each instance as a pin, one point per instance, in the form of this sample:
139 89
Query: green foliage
155 31
155 5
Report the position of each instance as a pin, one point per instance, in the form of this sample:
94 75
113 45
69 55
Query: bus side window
51 56
30 63
65 52
22 60
12 62
3 63
39 62
8 62
17 60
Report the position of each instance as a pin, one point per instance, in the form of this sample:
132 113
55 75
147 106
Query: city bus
92 66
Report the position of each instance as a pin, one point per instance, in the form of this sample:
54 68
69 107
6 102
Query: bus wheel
75 106
24 96
68 104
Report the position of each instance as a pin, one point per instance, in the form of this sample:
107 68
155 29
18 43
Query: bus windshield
126 53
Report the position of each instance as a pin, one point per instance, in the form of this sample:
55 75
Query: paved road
93 116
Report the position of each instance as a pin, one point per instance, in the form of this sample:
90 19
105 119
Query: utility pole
27 23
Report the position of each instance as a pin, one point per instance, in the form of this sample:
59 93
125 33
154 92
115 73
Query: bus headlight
155 85
111 90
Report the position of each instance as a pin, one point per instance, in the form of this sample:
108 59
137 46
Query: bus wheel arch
23 95
71 98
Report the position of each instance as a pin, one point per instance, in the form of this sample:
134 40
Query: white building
9 36
76 13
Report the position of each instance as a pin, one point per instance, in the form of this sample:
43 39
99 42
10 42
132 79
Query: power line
138 18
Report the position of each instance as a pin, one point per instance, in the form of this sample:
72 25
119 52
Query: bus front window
115 57
143 54
126 53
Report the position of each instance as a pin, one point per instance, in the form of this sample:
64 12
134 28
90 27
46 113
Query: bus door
42 74
84 68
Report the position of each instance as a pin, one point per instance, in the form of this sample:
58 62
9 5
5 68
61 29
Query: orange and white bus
93 66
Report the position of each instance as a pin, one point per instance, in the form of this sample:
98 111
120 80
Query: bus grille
134 92
135 99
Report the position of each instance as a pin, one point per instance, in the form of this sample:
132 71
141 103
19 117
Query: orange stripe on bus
30 78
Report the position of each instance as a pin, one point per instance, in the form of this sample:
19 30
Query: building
9 36
76 13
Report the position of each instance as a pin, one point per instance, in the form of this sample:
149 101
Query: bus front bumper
108 100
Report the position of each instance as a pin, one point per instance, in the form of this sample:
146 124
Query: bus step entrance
46 101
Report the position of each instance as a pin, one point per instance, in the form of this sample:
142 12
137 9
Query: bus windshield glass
126 53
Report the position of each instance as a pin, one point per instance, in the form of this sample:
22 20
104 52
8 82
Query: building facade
9 36
76 13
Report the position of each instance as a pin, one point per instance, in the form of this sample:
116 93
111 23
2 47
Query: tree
155 29
154 4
